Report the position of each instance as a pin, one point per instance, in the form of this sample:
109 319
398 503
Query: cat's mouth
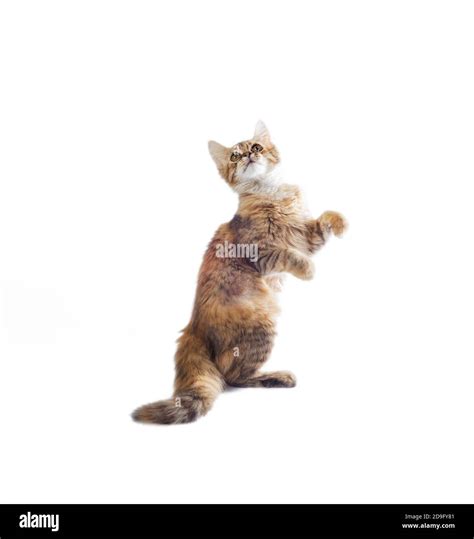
249 162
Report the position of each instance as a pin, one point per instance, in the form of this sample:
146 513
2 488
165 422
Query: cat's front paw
303 268
332 221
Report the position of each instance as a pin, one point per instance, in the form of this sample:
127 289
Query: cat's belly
237 321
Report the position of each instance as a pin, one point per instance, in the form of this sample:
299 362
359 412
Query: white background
108 198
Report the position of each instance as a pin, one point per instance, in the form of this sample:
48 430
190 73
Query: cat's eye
235 156
256 148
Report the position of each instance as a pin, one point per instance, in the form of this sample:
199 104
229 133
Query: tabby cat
232 327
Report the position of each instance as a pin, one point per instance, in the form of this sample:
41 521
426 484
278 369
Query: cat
232 327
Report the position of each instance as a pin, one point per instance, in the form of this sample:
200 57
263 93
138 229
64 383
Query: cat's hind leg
240 366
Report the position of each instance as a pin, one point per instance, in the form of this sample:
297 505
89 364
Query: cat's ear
261 133
219 153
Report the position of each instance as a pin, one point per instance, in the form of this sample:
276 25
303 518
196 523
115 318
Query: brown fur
232 327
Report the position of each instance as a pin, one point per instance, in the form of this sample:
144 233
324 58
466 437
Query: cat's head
248 162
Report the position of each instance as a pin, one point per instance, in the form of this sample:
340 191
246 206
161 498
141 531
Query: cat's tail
180 409
197 385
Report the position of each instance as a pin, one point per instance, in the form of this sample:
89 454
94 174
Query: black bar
237 521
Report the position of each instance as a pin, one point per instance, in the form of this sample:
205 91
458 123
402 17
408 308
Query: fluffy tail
181 409
197 384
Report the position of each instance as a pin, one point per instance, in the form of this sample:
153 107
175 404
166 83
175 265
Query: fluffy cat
232 326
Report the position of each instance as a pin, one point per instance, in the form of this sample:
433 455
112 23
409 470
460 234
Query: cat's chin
266 183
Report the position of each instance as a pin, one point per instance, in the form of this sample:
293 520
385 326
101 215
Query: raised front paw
301 267
333 221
